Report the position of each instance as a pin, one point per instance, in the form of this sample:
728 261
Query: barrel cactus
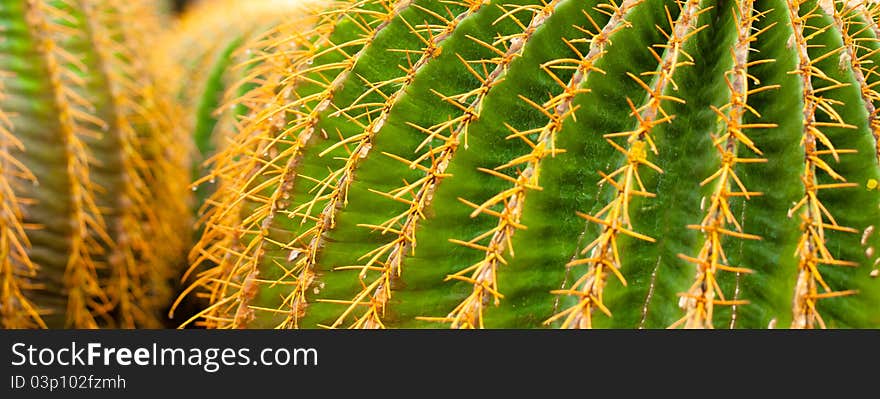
92 185
553 163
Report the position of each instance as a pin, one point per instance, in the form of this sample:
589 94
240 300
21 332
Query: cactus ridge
719 221
375 294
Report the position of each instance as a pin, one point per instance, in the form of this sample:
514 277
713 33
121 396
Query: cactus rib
614 217
700 299
377 293
812 251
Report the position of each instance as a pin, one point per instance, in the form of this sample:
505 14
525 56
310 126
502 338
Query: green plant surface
557 163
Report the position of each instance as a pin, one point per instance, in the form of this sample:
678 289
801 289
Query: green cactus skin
556 163
93 197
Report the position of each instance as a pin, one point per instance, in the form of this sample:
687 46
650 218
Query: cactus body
557 163
93 198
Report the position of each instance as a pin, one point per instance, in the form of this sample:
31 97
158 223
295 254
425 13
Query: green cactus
554 163
93 198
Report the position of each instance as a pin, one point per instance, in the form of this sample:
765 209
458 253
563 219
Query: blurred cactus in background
93 194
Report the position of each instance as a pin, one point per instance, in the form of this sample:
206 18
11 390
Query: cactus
93 198
554 163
